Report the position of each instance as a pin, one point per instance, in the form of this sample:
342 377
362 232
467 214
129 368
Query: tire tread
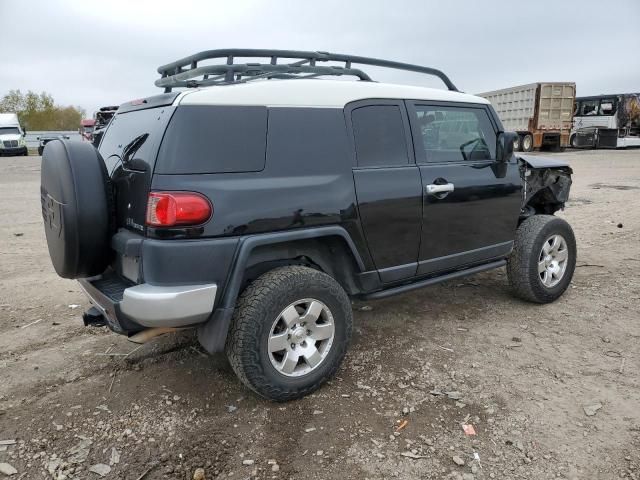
244 334
523 280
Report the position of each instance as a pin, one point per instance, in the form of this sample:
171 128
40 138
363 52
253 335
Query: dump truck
541 113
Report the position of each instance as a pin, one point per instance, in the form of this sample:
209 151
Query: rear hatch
129 148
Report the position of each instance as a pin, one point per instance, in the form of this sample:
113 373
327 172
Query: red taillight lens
169 209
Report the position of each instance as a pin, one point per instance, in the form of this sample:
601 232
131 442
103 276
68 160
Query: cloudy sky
92 53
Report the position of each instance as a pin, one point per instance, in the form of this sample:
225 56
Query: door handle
435 189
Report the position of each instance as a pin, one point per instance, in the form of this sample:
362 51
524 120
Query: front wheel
289 333
543 260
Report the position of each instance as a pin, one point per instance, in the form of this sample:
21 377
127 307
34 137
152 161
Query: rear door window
380 136
214 139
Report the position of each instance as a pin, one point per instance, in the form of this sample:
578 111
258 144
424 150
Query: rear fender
212 334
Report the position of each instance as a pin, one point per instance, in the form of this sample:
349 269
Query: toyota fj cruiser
255 202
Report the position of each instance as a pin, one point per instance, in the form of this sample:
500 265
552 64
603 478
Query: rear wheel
527 142
573 141
289 333
541 266
516 144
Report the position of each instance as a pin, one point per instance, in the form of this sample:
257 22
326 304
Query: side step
433 280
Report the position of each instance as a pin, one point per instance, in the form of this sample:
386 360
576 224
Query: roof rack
299 64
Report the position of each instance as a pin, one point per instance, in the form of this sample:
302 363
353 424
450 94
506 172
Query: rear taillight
169 209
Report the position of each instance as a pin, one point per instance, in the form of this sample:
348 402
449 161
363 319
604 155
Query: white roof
314 93
9 120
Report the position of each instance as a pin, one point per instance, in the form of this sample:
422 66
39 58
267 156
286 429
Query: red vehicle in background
86 129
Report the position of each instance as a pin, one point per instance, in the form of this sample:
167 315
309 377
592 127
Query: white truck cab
12 141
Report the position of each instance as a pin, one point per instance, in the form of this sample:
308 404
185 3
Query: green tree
12 102
40 112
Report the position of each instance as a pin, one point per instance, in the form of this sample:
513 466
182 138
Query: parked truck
12 141
102 118
606 121
541 113
87 126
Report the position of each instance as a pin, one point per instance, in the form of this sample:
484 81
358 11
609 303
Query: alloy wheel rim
527 142
301 337
553 260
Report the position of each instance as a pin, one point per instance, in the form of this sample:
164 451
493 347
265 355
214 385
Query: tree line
39 111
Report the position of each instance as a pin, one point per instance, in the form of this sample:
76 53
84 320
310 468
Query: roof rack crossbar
301 64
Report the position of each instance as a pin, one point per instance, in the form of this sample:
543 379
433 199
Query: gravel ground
552 391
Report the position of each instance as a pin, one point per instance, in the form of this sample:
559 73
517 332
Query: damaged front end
546 185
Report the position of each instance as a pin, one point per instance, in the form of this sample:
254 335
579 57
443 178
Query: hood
542 162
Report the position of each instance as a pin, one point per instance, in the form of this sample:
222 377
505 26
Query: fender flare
213 333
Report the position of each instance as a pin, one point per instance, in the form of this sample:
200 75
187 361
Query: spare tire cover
76 206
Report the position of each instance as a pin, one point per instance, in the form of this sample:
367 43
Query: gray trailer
541 113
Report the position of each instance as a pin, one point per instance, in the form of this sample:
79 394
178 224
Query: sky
96 53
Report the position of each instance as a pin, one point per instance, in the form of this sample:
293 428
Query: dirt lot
465 351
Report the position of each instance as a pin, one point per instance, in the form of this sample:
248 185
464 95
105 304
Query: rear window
142 128
214 139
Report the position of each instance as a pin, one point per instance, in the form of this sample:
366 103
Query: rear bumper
128 308
156 306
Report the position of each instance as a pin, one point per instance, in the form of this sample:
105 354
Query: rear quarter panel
306 181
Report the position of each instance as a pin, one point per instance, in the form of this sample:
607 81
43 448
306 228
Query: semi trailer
541 113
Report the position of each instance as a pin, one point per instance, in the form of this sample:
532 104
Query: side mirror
504 150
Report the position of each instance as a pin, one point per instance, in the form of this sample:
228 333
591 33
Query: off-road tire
522 264
258 307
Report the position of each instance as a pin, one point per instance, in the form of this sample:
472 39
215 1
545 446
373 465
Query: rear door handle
435 189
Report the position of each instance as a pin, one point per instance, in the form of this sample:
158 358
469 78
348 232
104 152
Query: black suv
255 208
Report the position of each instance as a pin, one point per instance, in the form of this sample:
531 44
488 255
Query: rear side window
379 136
214 139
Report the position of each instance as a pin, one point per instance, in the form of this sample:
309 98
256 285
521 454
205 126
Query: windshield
9 131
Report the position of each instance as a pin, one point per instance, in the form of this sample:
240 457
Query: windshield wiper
131 149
